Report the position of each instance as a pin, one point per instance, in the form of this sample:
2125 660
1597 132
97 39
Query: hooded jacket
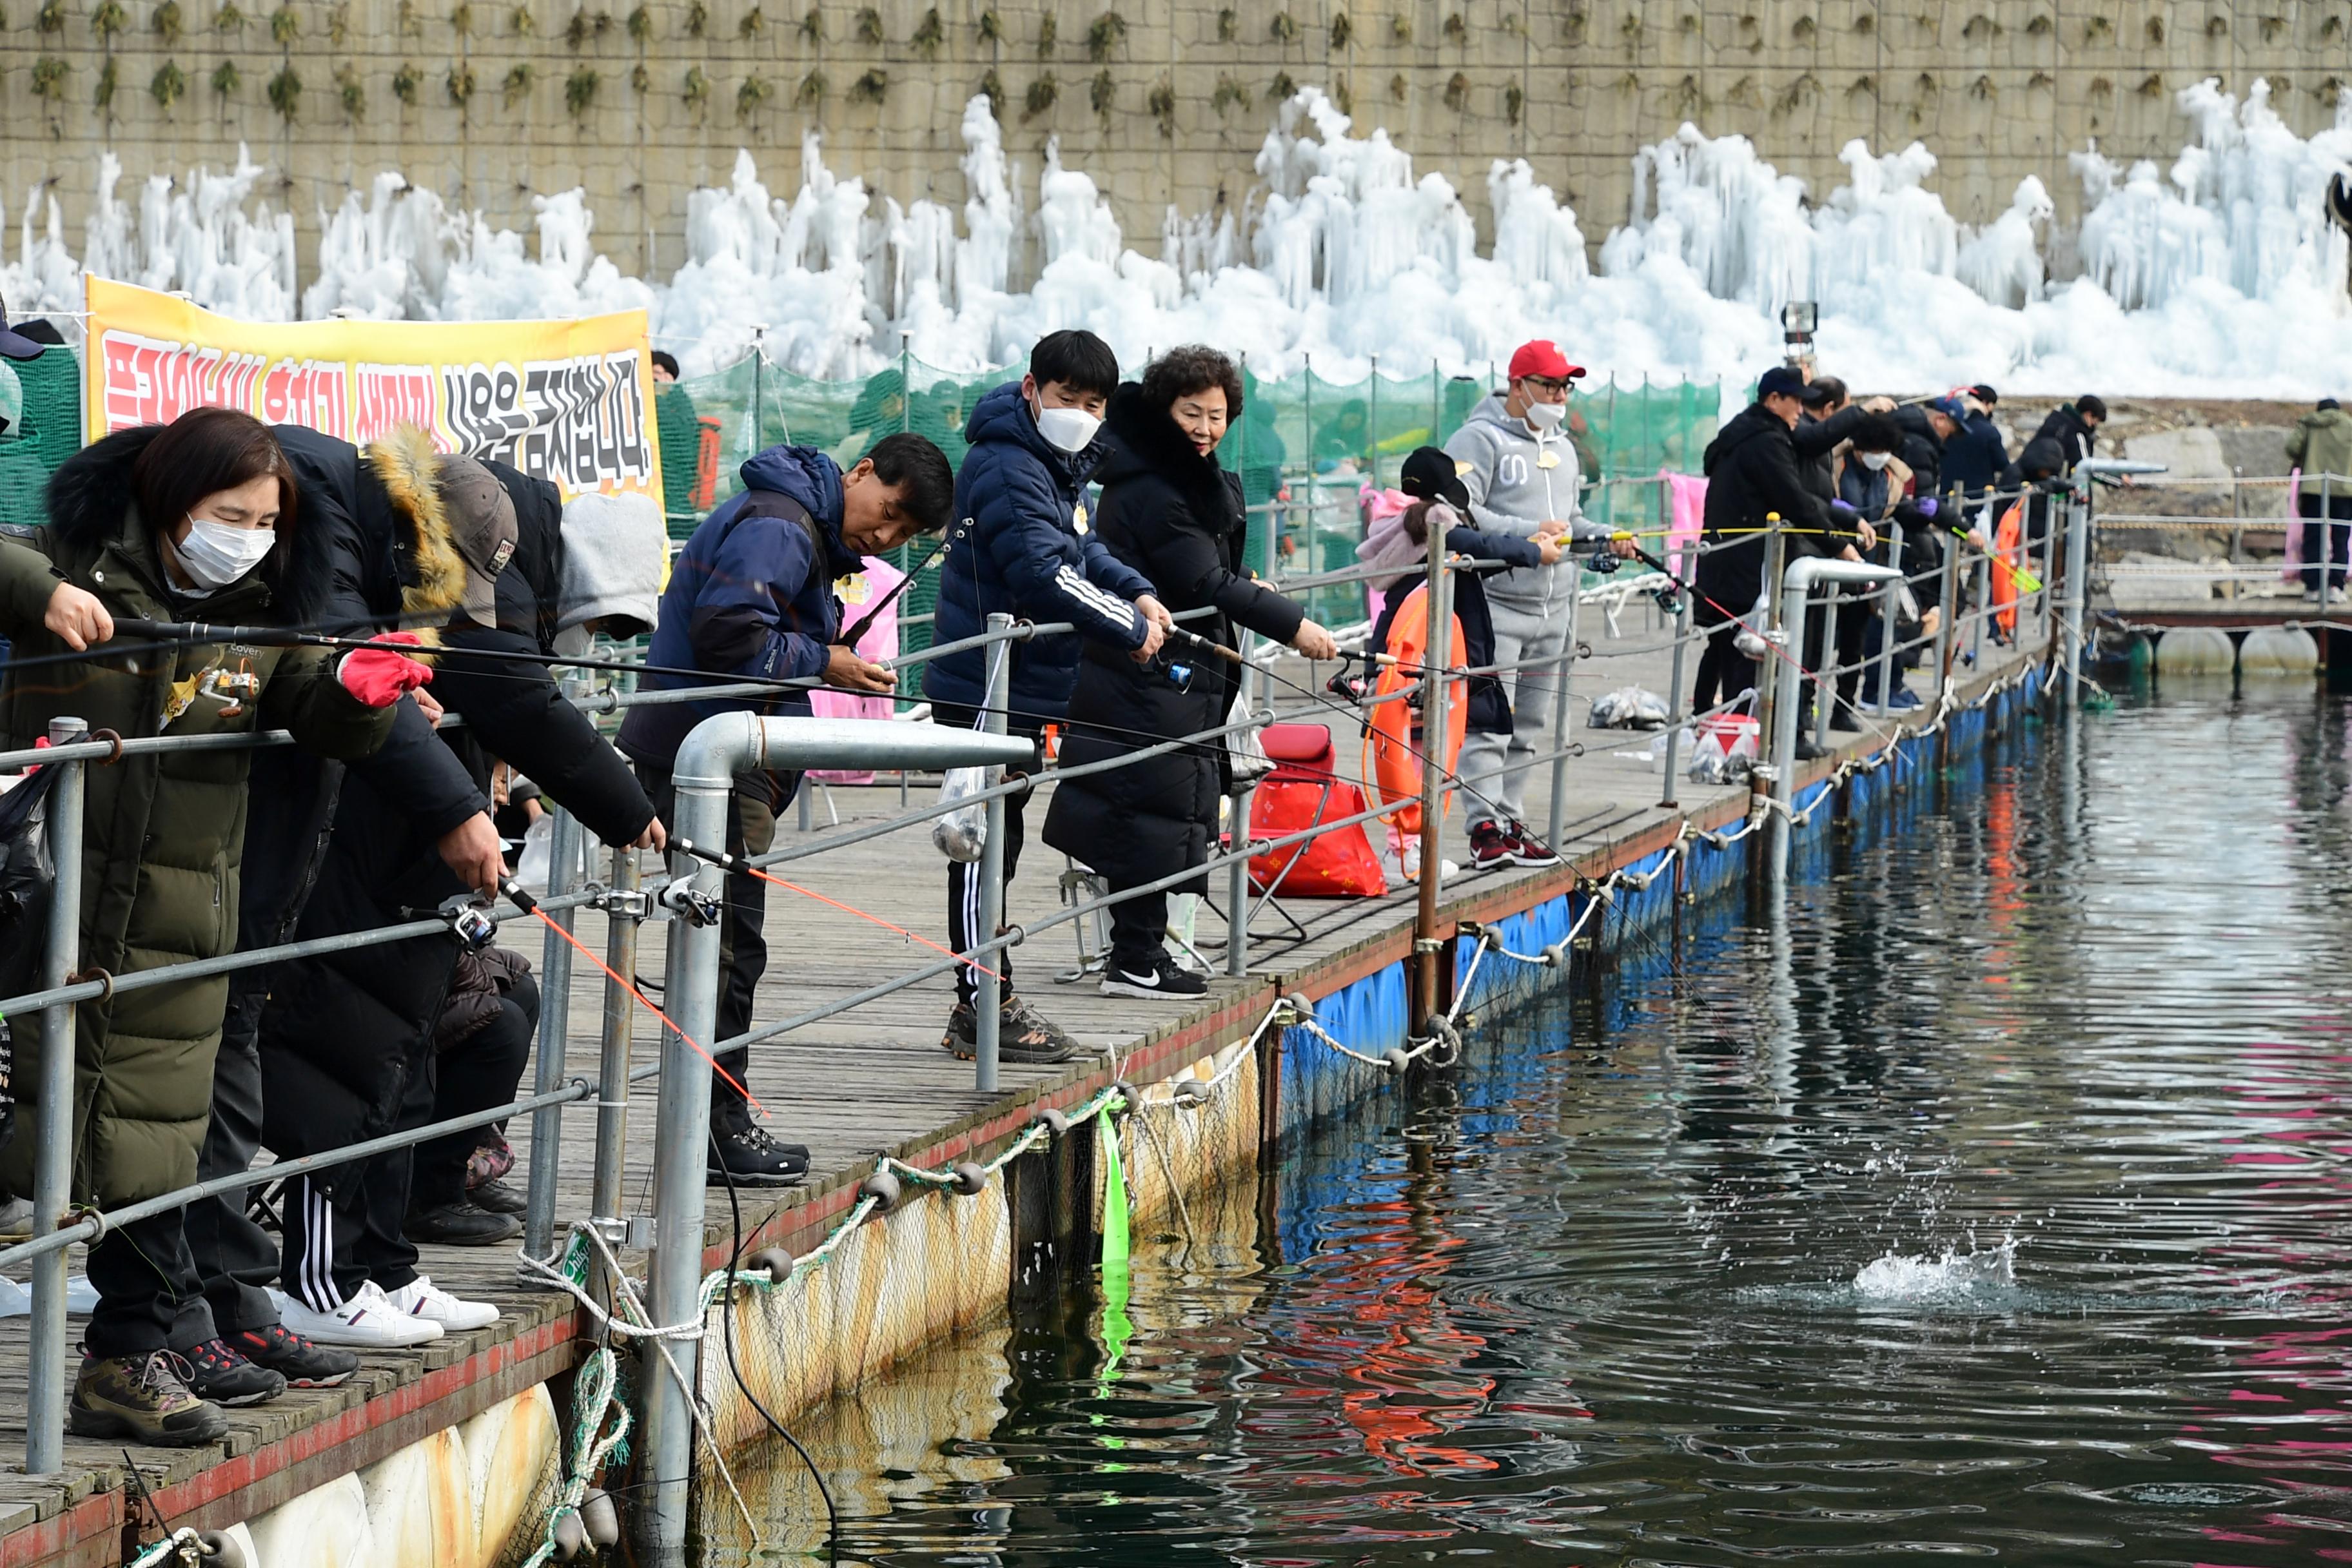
1974 455
1518 480
344 1034
164 835
2074 434
1490 706
1752 472
1174 516
2321 443
1022 547
750 595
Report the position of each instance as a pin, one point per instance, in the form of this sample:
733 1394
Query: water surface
1990 1203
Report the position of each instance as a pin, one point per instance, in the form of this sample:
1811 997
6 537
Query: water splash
1905 1277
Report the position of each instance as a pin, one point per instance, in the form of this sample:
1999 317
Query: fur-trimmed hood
394 533
433 579
91 503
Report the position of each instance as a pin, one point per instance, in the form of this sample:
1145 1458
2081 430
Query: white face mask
1873 460
1070 429
1546 416
213 554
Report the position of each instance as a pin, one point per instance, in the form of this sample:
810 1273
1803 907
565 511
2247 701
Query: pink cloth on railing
1686 515
1375 506
877 644
2293 568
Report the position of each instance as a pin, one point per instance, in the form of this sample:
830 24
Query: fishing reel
1604 563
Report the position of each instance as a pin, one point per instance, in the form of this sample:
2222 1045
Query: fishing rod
857 628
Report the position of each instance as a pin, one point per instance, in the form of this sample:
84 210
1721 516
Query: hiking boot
498 1197
301 1363
1490 847
1162 980
460 1225
1525 848
1021 1035
746 1156
223 1374
145 1398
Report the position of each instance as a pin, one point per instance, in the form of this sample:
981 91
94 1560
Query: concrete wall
595 92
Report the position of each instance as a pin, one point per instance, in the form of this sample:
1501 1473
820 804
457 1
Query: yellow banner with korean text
571 401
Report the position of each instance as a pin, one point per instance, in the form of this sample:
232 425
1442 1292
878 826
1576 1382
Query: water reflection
1991 1199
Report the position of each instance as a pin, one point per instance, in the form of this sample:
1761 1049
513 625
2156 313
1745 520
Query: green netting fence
1304 446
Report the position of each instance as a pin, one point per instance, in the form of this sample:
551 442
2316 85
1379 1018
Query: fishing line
727 862
734 1261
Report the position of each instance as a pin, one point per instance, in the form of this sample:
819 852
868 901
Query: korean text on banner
567 400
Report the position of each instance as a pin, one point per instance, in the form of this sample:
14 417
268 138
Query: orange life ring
1392 731
2008 554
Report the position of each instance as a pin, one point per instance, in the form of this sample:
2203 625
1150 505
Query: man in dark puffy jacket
1753 473
1022 547
1975 453
750 595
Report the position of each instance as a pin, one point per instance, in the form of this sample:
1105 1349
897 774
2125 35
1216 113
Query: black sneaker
498 1197
1021 1035
1808 752
301 1363
459 1224
752 1159
220 1372
1164 980
1844 718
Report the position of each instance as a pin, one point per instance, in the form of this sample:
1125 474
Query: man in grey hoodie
1521 471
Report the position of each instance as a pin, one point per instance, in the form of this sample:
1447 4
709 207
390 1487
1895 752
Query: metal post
2078 537
1790 635
45 1398
906 381
759 363
988 999
620 1037
1980 591
1562 675
2237 524
1686 564
1825 679
554 1026
1892 619
1775 557
2326 537
681 1159
1435 723
1947 594
1372 425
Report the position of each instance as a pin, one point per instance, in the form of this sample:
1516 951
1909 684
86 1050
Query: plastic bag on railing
963 834
536 862
1629 708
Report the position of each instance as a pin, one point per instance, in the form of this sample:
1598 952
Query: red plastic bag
1305 790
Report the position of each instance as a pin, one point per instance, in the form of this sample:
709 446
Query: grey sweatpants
1521 638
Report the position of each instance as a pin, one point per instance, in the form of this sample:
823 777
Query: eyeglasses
1545 383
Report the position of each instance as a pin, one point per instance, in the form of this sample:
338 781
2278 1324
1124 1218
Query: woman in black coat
1169 510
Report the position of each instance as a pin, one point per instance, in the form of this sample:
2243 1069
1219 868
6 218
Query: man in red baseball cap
1522 475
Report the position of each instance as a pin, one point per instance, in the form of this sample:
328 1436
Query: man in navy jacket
751 597
1022 547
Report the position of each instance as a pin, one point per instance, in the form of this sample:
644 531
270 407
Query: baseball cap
1542 357
482 526
1780 381
1429 475
1951 408
1985 393
15 345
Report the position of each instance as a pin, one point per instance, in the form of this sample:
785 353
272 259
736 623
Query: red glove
380 678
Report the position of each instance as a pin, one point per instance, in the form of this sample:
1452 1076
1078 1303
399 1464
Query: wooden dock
852 1086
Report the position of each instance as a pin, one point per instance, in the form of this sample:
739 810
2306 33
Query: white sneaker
1411 864
366 1320
422 1299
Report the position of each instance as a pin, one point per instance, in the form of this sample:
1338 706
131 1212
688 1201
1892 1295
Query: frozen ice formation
2221 275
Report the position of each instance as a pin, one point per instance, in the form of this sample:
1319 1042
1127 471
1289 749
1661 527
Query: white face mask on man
1545 417
1068 429
1873 460
214 555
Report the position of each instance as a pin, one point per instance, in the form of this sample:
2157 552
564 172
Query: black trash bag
27 879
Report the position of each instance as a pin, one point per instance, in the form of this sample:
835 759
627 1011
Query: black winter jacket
344 1034
1175 517
2076 438
1816 441
1922 451
1753 470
